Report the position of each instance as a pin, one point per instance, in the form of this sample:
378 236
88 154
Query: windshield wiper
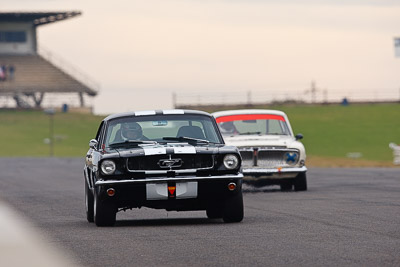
249 133
131 143
186 139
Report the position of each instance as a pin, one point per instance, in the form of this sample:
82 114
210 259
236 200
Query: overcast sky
143 51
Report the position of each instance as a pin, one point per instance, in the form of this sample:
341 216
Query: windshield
253 124
135 130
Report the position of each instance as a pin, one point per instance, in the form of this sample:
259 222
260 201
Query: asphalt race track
349 217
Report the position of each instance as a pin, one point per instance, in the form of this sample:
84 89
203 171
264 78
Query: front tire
233 208
300 182
104 211
89 203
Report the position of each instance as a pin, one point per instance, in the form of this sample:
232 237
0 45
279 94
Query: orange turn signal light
231 186
110 192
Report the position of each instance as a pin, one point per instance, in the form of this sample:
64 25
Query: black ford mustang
170 159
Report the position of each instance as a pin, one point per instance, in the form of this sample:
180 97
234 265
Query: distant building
27 75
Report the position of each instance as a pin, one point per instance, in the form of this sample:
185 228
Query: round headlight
291 158
231 161
108 167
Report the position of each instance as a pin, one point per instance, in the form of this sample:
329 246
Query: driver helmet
131 130
228 127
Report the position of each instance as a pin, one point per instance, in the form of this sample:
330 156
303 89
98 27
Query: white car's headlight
108 167
291 158
231 161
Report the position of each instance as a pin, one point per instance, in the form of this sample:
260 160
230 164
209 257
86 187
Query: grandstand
27 75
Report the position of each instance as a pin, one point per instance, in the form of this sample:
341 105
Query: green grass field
335 131
22 133
330 132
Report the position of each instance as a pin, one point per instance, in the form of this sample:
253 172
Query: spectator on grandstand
2 74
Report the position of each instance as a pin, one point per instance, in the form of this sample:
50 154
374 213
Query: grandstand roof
37 18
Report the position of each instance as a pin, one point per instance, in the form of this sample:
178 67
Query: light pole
51 113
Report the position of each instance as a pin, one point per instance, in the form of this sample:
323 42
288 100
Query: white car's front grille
269 158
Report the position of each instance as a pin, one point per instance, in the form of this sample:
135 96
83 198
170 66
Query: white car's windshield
253 124
161 128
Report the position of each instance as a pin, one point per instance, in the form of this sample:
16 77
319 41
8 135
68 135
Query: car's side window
99 131
103 135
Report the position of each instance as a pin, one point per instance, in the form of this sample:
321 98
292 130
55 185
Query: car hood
162 149
260 140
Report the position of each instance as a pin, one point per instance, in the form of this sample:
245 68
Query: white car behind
271 153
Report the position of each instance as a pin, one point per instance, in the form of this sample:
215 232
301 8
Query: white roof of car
247 111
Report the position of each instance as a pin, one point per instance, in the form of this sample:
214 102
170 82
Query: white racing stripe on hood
185 150
154 151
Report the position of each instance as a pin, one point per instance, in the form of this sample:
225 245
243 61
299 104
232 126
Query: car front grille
170 162
268 158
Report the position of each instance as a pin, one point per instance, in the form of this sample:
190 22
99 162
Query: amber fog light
231 186
110 192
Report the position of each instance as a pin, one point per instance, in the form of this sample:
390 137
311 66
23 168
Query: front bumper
272 173
135 193
168 179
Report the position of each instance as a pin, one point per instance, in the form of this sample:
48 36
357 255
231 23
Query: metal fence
250 97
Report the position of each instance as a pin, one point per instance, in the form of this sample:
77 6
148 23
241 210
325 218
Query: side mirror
93 143
299 136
